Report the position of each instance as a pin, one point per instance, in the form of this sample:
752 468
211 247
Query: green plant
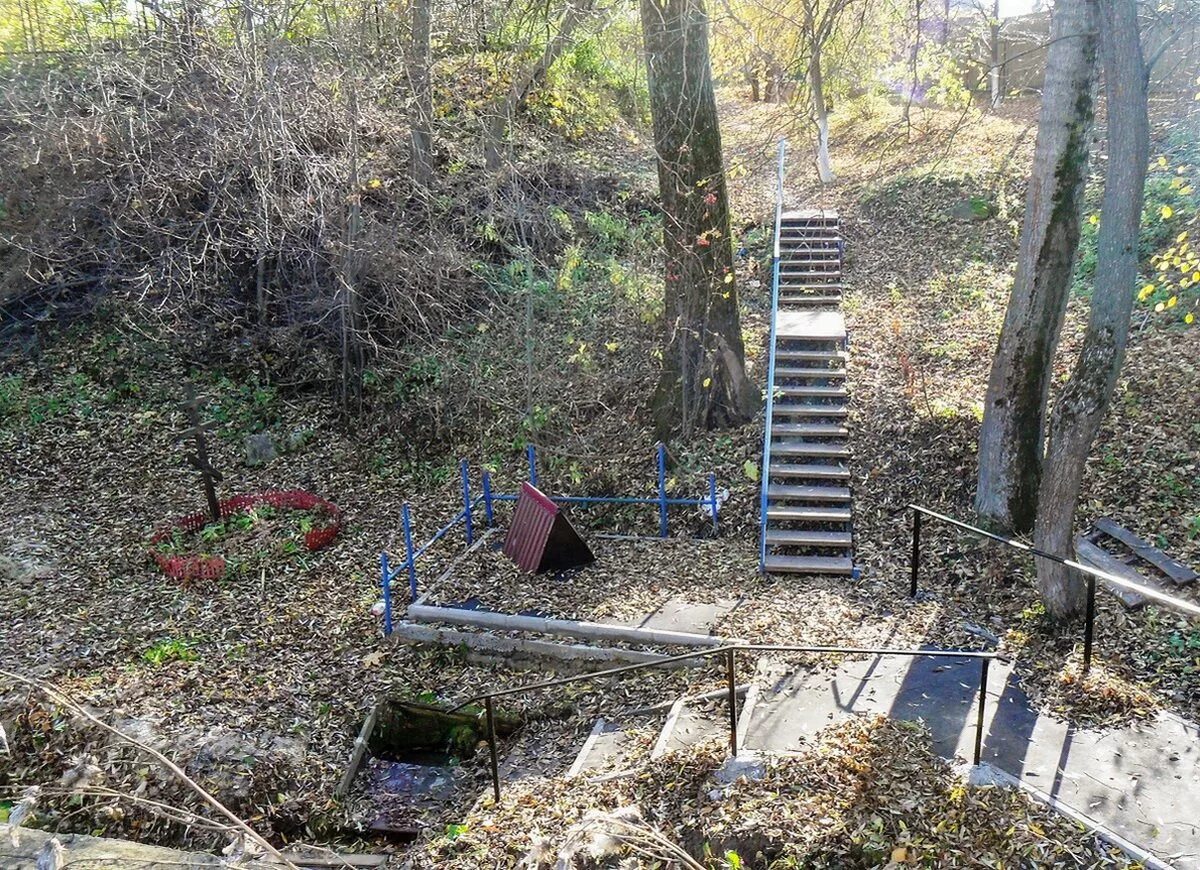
170 649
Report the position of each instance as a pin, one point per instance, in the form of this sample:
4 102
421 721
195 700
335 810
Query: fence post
489 510
387 593
916 552
531 458
731 679
1090 623
410 561
491 738
465 473
663 529
983 680
712 497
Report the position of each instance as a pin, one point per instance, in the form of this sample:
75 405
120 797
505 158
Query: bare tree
1011 441
1079 411
819 22
703 382
419 59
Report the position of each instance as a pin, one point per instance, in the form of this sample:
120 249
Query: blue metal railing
488 497
766 461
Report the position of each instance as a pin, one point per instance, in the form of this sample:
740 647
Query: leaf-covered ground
283 662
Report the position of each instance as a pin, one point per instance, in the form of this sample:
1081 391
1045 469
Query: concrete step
784 410
777 564
812 392
826 289
693 719
838 356
806 538
809 448
808 301
833 274
792 372
809 493
776 513
812 430
808 471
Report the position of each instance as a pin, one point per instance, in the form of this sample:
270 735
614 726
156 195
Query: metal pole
491 739
731 678
531 458
1091 624
387 593
712 497
409 562
662 490
983 677
465 473
916 553
489 509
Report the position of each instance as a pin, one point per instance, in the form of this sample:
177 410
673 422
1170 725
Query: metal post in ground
489 509
712 498
386 576
731 679
1089 628
531 458
916 552
662 490
983 681
465 473
410 560
491 739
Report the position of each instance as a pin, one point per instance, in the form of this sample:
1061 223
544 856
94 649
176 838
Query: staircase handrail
764 472
729 652
1092 574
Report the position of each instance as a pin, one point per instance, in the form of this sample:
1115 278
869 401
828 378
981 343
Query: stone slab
680 615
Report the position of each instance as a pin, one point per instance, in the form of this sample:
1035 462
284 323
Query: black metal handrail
730 654
1092 574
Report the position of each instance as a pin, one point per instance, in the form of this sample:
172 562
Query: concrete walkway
1142 782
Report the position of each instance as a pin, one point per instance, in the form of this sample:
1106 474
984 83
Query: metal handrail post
764 473
712 498
1090 623
410 559
489 507
731 679
983 681
916 553
491 739
531 459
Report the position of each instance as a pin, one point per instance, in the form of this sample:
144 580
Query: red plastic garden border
212 567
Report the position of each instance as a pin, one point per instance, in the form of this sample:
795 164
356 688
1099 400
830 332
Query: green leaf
750 469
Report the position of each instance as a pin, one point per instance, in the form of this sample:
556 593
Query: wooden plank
1102 560
1178 573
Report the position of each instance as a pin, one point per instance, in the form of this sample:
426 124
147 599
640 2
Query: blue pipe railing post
663 529
464 472
386 576
410 561
712 500
531 458
489 509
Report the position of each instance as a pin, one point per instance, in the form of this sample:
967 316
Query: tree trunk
419 60
1012 439
816 84
703 381
995 80
1080 409
526 80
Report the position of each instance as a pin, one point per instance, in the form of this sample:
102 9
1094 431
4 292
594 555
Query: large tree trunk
526 80
1080 409
703 382
419 59
816 85
1012 439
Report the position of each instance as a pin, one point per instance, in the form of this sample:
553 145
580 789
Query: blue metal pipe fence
489 497
766 460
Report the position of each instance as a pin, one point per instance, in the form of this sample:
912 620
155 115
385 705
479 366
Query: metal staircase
805 515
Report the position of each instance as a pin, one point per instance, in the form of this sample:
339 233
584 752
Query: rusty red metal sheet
541 537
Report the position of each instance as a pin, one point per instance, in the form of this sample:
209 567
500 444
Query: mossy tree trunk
703 382
1012 439
1080 409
